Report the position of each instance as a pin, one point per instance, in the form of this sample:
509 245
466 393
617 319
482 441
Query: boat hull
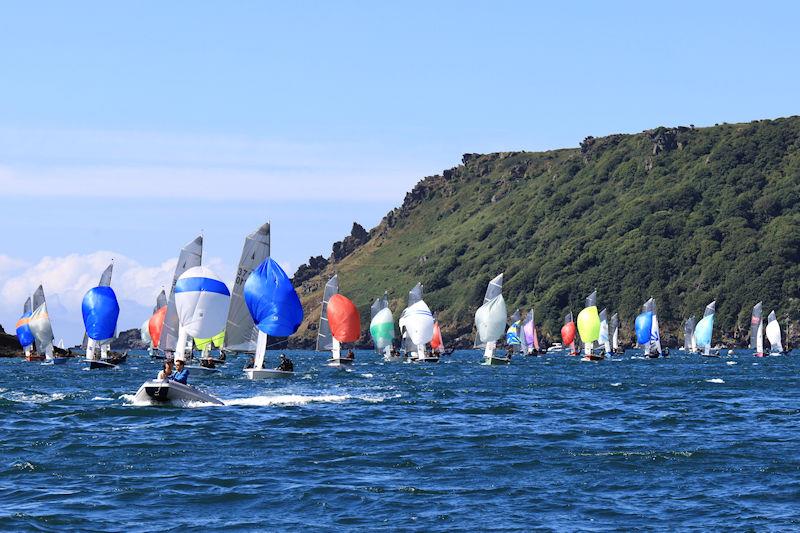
344 361
495 360
267 373
165 391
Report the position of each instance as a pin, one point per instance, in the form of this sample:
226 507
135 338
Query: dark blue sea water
548 442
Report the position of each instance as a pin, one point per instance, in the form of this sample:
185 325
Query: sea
546 443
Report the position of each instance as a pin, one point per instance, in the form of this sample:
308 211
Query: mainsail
655 335
240 331
614 332
190 257
757 330
604 338
324 337
774 333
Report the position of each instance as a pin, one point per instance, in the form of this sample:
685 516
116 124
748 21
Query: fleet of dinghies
199 312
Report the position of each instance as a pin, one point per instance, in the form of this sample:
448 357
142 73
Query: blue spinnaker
702 332
272 300
100 312
24 334
644 323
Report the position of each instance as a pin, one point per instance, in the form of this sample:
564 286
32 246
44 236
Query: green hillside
685 215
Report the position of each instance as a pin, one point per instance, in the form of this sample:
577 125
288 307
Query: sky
127 128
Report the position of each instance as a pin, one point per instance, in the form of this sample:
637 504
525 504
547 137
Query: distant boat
42 330
689 341
407 346
757 331
648 336
155 324
437 343
191 256
100 310
514 333
490 322
615 334
529 336
604 340
568 332
23 330
418 325
381 327
589 328
339 322
275 310
704 329
241 334
774 335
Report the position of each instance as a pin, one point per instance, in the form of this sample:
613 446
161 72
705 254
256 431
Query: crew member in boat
181 374
166 372
285 364
350 354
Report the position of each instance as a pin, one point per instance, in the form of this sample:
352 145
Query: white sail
414 296
201 300
105 277
240 331
325 340
604 339
493 290
41 329
144 331
774 333
418 323
615 332
191 256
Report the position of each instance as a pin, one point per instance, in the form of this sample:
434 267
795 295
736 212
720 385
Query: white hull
163 391
266 373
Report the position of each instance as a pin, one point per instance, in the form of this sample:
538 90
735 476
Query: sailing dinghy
191 256
568 331
275 310
100 311
490 322
418 325
42 330
589 328
774 335
514 334
757 331
703 330
339 322
201 305
615 349
604 340
408 348
381 327
155 324
529 337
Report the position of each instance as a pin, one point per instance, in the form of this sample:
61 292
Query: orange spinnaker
343 319
568 333
156 324
436 341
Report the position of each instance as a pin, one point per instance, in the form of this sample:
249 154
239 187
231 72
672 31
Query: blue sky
129 127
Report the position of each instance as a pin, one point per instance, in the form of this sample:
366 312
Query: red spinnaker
343 319
568 333
436 341
156 324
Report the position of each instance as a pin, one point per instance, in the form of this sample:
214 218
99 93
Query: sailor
350 354
286 364
167 371
181 374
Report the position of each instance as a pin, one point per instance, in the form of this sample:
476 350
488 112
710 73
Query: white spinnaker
493 290
241 333
419 323
202 313
774 333
191 256
144 331
490 320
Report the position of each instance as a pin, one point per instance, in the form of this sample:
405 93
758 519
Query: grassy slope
714 215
